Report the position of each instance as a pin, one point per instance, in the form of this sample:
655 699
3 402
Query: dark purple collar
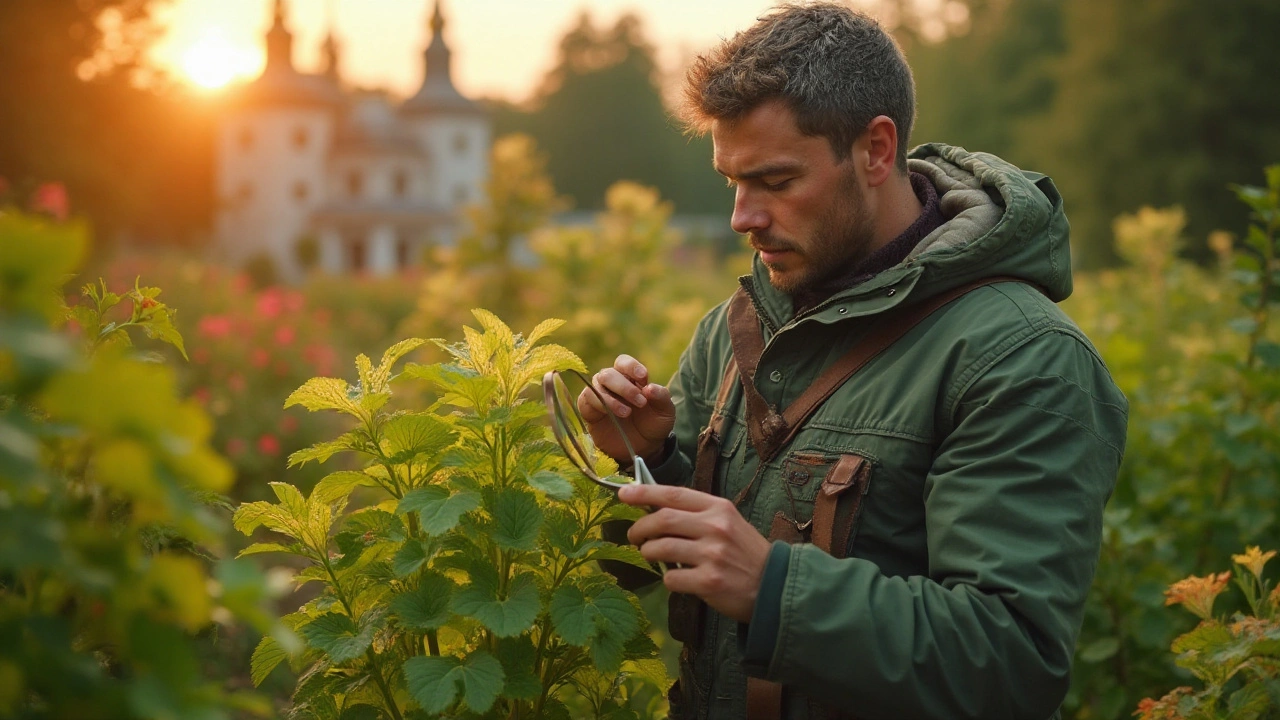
893 253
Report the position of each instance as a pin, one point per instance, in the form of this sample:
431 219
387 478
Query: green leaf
427 607
338 485
620 553
408 558
1099 650
504 616
460 387
374 526
434 682
361 712
1249 702
338 636
517 518
1268 354
382 375
266 657
601 618
438 511
542 330
517 656
323 393
552 483
1243 325
160 327
256 548
404 437
321 452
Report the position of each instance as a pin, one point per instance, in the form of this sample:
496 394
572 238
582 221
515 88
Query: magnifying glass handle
644 477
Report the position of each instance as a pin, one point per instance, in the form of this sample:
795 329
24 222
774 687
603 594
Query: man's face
804 212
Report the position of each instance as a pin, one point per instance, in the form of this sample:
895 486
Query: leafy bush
468 584
1237 661
1196 352
107 488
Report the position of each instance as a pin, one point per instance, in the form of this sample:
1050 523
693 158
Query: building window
245 139
357 258
301 191
461 143
401 183
355 183
460 194
404 258
300 138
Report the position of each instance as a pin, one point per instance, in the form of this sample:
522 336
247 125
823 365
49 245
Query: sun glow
212 61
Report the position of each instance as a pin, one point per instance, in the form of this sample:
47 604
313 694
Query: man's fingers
619 391
668 496
632 368
673 551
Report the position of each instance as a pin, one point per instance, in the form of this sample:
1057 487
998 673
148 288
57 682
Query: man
918 541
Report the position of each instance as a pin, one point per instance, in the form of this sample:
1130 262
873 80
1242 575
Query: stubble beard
841 241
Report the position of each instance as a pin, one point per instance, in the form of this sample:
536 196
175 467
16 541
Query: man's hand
722 556
644 410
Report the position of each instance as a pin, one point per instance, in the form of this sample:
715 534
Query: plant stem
374 664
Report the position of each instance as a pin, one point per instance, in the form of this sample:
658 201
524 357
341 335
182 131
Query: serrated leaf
374 525
651 671
364 372
337 636
620 553
459 386
338 485
256 548
361 712
290 499
434 682
601 618
266 657
517 656
322 451
382 375
546 358
160 327
322 393
552 483
427 607
517 519
404 437
408 558
438 511
504 616
543 329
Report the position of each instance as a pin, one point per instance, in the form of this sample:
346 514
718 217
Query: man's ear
879 142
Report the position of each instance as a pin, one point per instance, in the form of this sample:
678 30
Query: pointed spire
437 54
279 42
331 69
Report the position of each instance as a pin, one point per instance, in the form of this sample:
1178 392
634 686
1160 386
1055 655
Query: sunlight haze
501 48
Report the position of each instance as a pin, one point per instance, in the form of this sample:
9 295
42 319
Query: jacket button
893 291
776 376
843 310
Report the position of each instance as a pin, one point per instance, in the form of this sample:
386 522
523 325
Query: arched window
355 183
300 138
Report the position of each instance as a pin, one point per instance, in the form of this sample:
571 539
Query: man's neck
899 209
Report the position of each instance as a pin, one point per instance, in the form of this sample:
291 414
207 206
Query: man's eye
778 185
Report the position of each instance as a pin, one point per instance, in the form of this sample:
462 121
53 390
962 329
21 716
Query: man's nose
748 215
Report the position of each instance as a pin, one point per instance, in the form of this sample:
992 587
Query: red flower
148 303
202 395
285 335
270 303
214 326
268 445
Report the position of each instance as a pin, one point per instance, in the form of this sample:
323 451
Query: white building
362 183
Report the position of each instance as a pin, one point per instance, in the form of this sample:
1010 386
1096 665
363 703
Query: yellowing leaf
322 393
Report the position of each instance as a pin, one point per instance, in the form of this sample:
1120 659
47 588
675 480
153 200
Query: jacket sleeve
1013 505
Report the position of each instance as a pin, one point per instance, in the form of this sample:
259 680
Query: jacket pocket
822 499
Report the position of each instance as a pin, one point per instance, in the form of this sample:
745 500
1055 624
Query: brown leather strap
770 431
704 463
830 534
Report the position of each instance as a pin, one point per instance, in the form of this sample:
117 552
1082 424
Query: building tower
272 152
453 130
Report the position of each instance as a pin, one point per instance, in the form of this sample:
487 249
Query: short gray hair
836 68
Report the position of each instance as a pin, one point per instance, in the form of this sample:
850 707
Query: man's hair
835 67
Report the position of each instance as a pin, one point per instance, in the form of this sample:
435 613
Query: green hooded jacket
994 434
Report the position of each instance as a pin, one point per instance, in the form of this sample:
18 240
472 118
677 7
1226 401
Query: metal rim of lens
559 402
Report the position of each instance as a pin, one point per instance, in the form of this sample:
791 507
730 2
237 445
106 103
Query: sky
502 48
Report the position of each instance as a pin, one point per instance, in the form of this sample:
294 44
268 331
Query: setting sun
213 61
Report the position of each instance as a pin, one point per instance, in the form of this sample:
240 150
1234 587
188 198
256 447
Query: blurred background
308 180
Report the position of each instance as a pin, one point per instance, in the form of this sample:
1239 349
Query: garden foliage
458 565
108 504
1196 352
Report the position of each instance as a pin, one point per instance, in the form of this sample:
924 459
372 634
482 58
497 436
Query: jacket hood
1000 221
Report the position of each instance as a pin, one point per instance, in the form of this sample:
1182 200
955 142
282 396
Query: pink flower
260 358
268 445
270 303
51 198
214 326
202 395
285 335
